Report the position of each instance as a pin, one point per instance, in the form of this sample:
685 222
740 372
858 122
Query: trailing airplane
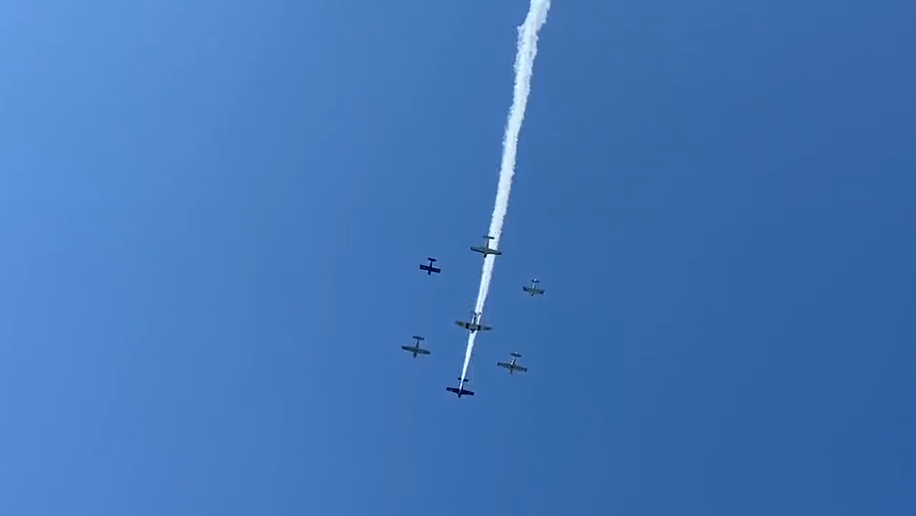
513 366
460 391
416 349
534 290
429 268
486 249
474 325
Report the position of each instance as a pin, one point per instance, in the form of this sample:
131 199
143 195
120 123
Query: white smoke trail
524 67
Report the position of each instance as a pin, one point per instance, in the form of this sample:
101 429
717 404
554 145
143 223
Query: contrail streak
524 67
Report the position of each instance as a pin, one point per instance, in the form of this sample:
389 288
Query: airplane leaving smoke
524 67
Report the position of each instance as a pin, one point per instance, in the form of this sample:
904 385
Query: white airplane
485 249
460 391
534 290
474 325
513 366
416 349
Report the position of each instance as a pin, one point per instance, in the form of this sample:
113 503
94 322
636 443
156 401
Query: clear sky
212 213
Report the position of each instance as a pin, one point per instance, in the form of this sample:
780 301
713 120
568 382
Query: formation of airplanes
474 324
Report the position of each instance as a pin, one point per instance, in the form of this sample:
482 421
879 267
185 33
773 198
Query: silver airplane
485 249
416 349
513 366
474 325
534 290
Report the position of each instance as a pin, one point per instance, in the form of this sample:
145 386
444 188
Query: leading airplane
474 325
534 290
460 391
429 268
513 366
416 349
485 249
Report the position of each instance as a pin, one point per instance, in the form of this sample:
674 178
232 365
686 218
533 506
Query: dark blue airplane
429 268
460 390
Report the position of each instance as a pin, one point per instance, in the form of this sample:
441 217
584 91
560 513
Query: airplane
474 325
429 268
485 249
460 391
416 349
534 290
513 366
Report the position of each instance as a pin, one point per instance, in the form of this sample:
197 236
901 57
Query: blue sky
212 215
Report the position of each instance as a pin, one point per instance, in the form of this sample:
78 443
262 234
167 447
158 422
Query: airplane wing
504 365
486 250
463 392
521 369
419 351
485 328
